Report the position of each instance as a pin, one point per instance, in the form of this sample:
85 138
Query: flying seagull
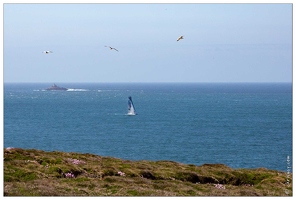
47 52
111 48
180 38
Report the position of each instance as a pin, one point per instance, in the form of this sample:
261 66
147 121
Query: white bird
180 38
111 48
47 52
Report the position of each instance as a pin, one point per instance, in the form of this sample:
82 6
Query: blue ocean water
242 125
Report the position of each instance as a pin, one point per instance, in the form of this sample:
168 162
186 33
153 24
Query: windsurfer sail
131 108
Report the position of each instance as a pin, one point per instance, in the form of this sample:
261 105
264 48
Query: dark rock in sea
55 87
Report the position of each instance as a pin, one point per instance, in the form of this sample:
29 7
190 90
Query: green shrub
133 192
23 175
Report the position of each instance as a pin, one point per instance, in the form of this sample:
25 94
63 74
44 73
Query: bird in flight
47 52
180 38
111 48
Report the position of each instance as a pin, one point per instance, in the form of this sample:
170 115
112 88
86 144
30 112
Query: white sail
131 108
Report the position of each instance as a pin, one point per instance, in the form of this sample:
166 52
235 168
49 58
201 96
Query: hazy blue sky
222 42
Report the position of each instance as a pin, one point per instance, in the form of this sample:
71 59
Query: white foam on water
77 90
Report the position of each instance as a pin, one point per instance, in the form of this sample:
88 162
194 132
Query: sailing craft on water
131 108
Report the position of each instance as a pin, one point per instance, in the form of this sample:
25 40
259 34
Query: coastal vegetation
30 172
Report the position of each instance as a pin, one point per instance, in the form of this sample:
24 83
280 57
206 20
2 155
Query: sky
222 42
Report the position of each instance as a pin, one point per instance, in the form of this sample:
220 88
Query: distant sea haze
242 125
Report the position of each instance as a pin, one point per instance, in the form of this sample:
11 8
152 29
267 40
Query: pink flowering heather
69 175
220 186
121 173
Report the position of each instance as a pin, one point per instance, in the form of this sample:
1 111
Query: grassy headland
39 173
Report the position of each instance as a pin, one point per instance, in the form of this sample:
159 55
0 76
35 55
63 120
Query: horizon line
158 82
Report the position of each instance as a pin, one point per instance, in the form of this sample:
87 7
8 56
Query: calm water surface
238 124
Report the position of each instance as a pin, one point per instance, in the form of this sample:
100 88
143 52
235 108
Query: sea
241 125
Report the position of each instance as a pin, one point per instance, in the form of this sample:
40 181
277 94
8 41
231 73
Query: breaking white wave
107 90
41 90
118 114
77 90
